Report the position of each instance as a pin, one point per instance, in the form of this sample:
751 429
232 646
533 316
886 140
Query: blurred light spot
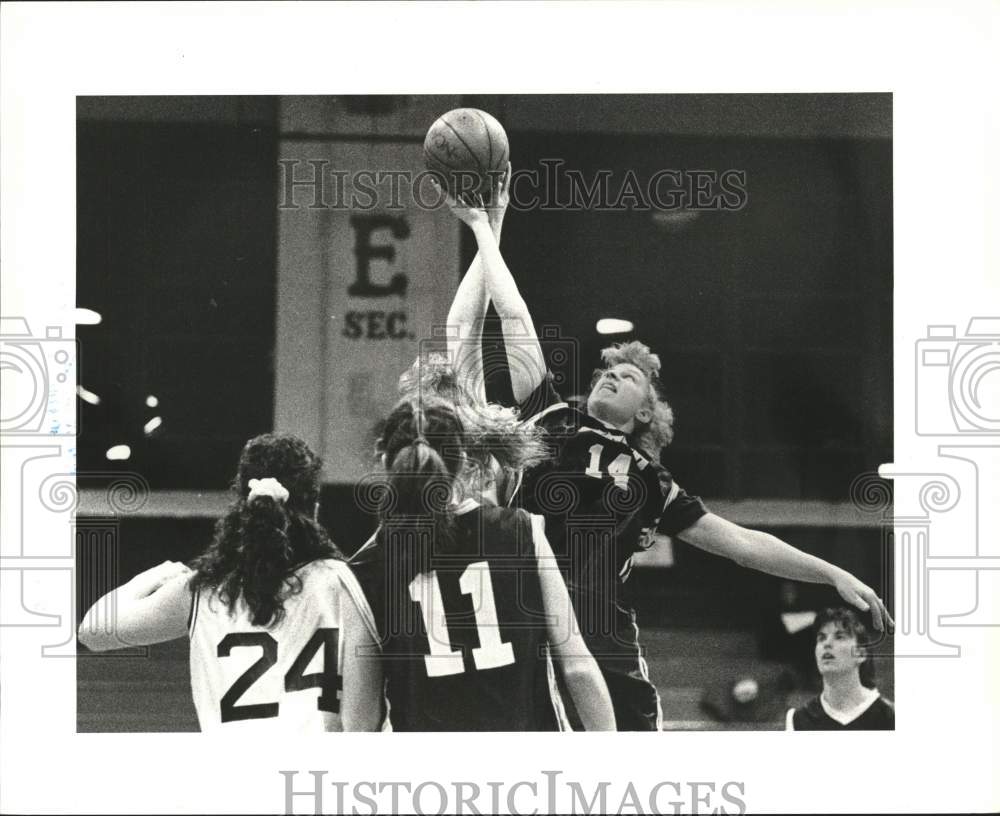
152 401
87 396
118 453
86 317
675 220
746 690
612 325
152 425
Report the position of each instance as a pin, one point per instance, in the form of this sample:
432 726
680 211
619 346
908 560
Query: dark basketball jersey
603 500
464 645
880 715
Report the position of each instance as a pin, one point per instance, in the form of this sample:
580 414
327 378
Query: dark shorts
634 697
620 658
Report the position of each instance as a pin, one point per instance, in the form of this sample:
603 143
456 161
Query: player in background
604 493
466 595
849 700
274 615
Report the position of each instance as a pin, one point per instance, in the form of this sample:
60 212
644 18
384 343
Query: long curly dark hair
258 545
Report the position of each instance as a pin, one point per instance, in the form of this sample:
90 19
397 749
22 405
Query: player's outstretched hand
863 597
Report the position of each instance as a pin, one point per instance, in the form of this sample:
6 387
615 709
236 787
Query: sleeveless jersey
286 677
464 645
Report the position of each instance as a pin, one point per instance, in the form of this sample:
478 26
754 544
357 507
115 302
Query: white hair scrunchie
267 487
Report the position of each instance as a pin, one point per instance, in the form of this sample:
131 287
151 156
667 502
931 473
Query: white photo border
941 65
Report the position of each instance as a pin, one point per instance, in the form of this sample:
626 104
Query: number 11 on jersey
492 651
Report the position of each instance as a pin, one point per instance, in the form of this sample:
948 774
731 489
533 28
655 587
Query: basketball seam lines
489 136
471 151
435 157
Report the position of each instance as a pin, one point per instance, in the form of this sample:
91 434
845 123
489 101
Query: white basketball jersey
285 677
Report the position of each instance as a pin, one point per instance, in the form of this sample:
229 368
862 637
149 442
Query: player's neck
844 692
626 428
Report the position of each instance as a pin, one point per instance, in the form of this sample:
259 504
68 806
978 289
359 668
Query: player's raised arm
524 353
151 608
583 678
764 552
468 309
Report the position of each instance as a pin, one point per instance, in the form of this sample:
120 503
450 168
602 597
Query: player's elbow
590 694
581 672
103 636
722 538
748 549
577 668
740 551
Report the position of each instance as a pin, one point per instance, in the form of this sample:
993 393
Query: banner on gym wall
367 264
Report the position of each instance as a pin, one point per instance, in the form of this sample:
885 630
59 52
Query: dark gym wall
774 322
176 250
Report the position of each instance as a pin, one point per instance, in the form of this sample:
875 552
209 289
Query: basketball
467 150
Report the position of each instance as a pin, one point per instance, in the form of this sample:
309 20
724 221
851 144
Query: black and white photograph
311 293
442 397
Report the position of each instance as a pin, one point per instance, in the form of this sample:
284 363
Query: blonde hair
488 429
655 435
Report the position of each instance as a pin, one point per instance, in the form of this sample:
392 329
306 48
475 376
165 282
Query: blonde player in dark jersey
605 463
274 615
467 597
